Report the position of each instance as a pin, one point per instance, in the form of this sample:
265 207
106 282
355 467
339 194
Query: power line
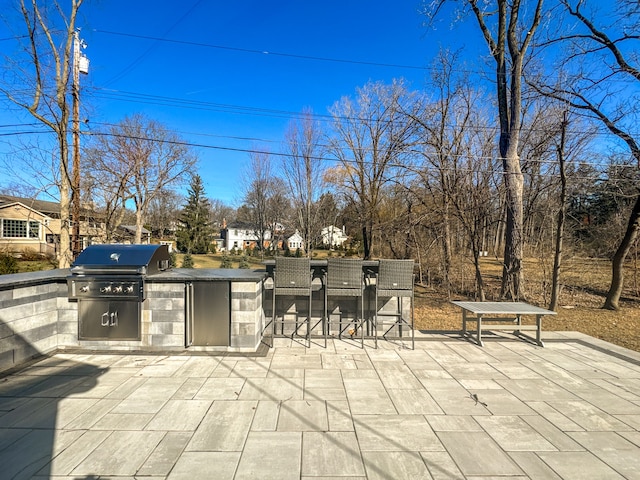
429 153
177 102
137 61
160 100
324 158
264 52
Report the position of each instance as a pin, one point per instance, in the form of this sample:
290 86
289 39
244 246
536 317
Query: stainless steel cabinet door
108 319
211 313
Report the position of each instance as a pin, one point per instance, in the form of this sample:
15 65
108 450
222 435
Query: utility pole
80 65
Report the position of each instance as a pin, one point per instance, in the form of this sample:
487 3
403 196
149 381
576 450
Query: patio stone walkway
446 410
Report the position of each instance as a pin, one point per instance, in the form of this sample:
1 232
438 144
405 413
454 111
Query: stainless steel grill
108 281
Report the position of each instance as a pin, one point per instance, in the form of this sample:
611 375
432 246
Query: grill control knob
128 289
84 288
118 289
105 289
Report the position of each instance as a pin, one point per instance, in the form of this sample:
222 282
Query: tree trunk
366 244
66 255
512 274
557 258
139 222
612 302
446 247
480 295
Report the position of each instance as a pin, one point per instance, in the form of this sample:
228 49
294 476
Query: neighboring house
242 236
295 242
127 234
24 228
28 224
334 236
219 243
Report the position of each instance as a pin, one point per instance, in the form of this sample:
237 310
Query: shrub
8 264
244 262
29 254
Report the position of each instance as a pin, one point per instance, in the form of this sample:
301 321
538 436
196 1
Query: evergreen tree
194 232
226 261
187 261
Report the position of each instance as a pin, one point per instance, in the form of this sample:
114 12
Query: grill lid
122 259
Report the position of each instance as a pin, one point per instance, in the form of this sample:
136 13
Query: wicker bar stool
292 278
345 278
395 279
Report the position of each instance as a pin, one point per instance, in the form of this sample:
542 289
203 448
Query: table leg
479 330
539 330
464 322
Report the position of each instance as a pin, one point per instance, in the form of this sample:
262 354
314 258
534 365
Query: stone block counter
37 318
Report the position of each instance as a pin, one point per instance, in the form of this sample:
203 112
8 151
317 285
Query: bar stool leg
273 317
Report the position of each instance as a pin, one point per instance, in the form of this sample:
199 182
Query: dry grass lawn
584 286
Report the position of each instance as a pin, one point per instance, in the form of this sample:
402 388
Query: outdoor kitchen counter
206 309
15 280
181 275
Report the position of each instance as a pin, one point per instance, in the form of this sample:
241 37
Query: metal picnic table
503 312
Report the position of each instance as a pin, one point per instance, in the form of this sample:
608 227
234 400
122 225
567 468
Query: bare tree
371 138
258 193
140 159
164 212
508 33
220 212
105 182
278 210
602 80
562 210
448 127
303 170
38 81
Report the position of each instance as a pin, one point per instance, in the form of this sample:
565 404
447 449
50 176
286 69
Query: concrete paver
303 416
328 454
271 456
477 454
225 427
446 410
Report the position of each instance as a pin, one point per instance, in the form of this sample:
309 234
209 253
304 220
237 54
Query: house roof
240 226
132 229
296 235
36 212
51 209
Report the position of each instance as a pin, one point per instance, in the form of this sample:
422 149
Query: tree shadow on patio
35 403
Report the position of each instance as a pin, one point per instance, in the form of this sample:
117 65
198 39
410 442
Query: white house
295 241
240 236
333 236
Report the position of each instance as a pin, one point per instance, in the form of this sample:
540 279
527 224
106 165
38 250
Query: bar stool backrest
344 273
395 275
292 272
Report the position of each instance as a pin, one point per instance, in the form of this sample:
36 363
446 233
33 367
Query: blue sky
145 56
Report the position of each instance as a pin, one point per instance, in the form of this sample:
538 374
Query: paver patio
446 410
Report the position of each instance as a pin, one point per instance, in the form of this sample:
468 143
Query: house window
20 229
